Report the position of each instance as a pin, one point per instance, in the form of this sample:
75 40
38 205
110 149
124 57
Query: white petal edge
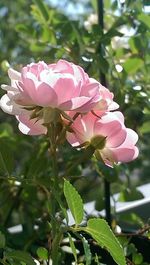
13 74
10 107
9 88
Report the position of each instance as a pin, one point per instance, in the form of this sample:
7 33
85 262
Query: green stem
55 248
56 231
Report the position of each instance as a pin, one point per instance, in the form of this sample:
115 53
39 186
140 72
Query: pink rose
112 140
62 85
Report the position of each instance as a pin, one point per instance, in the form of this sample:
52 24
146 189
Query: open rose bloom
113 142
64 88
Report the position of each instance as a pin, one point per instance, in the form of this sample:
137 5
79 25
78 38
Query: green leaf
107 4
2 240
137 258
136 44
112 33
74 201
101 232
19 255
87 251
6 130
131 65
131 249
94 5
130 195
145 128
72 245
42 253
43 9
145 19
48 35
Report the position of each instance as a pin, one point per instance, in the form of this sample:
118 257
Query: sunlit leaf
137 258
131 65
145 19
74 201
43 9
101 232
42 253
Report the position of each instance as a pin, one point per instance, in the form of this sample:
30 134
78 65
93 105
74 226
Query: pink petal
112 130
8 105
107 156
14 74
40 93
101 105
116 138
63 67
79 74
131 138
9 88
30 126
83 127
49 77
90 90
80 104
107 97
113 106
29 88
72 139
136 152
125 154
45 96
66 89
119 115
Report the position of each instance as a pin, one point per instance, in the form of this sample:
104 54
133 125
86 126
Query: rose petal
13 74
45 96
9 88
30 126
9 106
124 154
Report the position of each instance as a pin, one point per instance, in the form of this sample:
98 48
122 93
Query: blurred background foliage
49 30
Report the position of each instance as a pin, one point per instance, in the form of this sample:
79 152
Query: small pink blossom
117 141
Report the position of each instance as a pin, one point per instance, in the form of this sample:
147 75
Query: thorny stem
56 233
55 226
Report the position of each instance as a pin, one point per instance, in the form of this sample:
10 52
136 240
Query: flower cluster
42 94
